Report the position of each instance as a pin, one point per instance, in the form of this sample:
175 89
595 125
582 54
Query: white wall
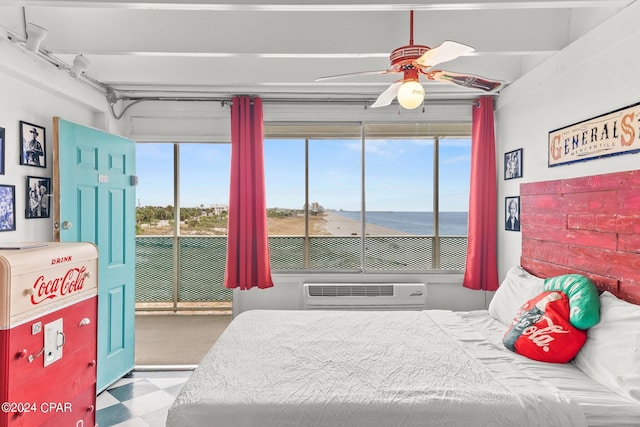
35 91
595 75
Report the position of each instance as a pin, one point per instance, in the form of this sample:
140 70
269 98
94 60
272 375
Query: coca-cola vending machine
48 315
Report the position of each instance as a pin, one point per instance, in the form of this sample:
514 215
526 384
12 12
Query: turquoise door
94 198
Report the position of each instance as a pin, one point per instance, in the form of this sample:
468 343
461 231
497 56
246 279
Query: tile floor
140 399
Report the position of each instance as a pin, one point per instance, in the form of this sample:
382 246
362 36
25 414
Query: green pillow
584 301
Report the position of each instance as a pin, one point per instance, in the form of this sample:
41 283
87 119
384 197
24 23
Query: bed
436 368
424 368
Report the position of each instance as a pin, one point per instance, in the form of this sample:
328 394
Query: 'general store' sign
610 134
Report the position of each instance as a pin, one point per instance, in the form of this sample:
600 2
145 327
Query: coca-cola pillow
541 330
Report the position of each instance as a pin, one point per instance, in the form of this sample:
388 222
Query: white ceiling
276 49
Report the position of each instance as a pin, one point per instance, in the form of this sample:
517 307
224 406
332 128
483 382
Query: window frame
329 130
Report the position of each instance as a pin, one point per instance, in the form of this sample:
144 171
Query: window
154 168
399 190
396 173
285 174
454 178
454 168
341 198
204 188
181 262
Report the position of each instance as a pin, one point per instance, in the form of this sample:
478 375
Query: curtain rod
277 100
364 102
114 95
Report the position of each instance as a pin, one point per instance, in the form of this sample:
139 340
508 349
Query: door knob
66 225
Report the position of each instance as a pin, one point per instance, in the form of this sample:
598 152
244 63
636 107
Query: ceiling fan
413 60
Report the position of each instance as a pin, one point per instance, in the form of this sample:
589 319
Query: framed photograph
7 207
33 149
513 164
512 213
1 151
38 193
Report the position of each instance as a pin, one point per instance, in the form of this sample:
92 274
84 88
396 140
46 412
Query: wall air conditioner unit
365 296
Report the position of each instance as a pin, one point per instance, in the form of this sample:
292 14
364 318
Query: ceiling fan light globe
411 95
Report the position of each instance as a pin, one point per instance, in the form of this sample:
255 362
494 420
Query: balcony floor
176 339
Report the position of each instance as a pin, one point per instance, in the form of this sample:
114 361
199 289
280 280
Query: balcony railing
187 272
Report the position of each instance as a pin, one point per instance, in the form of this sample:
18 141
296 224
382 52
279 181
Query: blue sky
399 174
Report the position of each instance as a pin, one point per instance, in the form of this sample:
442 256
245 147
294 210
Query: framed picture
33 149
512 213
38 193
7 207
1 151
513 164
595 137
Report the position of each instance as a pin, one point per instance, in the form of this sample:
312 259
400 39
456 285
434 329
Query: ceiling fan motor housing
405 55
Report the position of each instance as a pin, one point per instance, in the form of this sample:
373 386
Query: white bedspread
377 368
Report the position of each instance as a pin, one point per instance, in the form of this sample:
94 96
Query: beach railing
179 270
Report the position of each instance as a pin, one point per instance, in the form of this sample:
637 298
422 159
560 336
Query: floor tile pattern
140 399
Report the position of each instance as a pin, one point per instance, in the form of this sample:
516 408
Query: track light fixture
80 64
35 35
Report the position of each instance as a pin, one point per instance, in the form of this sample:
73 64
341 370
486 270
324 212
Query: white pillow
611 354
518 287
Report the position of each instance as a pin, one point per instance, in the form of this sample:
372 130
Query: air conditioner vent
350 291
365 296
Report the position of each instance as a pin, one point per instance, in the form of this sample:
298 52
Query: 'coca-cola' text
72 281
543 337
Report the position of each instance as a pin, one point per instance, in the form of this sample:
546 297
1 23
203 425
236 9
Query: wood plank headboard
588 225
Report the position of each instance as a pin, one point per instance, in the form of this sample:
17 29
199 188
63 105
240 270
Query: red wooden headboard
588 225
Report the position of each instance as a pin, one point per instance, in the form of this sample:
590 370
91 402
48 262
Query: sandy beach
325 224
338 225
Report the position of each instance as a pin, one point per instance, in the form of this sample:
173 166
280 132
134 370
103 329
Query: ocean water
418 223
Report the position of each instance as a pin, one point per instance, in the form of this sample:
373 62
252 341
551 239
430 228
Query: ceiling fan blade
445 52
465 80
388 95
361 73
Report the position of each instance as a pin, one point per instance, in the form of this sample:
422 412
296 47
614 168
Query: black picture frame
7 207
33 147
38 197
513 164
512 219
2 144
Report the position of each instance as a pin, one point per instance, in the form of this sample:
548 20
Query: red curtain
481 271
247 242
